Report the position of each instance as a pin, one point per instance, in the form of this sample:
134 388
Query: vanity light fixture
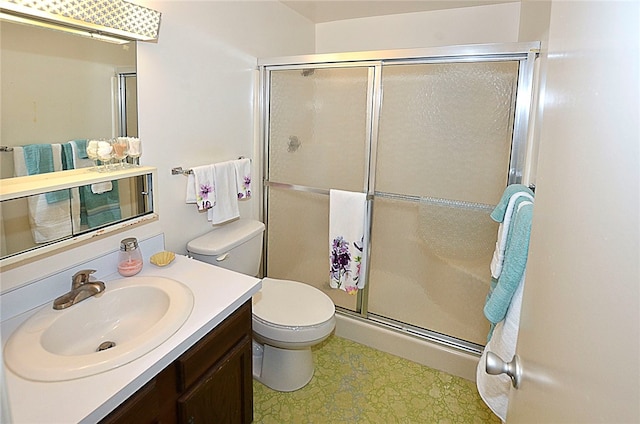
115 21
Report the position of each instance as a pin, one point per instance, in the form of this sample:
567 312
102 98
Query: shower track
418 332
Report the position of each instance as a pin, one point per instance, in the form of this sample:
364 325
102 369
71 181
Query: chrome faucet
81 289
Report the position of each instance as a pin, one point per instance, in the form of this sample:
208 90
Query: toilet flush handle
222 257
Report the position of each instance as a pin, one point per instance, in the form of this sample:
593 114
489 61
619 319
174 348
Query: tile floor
354 383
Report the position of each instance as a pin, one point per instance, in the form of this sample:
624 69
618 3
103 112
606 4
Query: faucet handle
81 277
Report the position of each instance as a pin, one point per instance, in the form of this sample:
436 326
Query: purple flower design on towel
340 259
342 272
358 261
205 189
246 184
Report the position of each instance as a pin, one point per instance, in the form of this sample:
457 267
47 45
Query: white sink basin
130 318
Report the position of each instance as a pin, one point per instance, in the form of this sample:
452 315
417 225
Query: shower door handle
495 365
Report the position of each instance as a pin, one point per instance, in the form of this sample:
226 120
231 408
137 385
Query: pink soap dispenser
129 257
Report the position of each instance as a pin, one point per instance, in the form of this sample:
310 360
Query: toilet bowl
289 317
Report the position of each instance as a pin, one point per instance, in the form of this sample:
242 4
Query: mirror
34 221
58 87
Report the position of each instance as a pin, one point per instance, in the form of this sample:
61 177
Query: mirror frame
13 188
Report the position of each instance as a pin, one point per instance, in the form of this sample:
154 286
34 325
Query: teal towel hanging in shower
515 262
501 208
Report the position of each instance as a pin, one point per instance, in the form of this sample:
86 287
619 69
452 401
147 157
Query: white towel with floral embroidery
243 178
204 186
347 213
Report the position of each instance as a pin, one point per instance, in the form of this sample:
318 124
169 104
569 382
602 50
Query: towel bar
179 171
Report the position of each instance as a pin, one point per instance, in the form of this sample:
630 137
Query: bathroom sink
130 318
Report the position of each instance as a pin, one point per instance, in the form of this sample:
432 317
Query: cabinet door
224 395
152 404
140 408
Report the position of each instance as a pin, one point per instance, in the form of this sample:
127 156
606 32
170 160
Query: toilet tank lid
225 237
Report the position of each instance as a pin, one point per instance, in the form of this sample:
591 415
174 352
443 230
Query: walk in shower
433 136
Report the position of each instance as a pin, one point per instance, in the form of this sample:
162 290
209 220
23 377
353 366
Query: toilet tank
236 246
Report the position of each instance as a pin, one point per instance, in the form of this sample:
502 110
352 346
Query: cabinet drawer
212 347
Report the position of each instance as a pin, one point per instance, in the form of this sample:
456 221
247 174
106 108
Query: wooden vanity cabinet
209 383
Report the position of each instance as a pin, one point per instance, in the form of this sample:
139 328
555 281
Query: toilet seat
290 312
291 304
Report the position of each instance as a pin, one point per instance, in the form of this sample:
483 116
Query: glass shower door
443 155
318 139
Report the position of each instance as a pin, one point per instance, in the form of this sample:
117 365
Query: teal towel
97 210
501 208
515 262
38 159
67 156
81 144
492 287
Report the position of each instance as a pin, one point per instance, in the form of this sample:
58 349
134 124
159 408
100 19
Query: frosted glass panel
298 241
317 128
445 136
430 266
445 129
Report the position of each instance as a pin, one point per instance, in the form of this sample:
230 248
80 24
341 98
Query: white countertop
217 293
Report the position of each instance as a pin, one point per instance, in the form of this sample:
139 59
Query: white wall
579 339
534 20
196 90
471 25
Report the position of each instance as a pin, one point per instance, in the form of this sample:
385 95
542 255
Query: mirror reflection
59 87
39 220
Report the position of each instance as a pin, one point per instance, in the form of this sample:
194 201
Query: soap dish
163 258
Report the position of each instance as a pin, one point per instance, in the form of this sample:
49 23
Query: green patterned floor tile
354 383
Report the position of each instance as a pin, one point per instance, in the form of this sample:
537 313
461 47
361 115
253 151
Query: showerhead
307 72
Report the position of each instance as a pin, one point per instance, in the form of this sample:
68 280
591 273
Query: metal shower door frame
524 53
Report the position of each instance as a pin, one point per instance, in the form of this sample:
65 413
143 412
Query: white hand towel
191 196
103 187
503 232
243 178
494 389
204 187
78 163
347 212
48 221
226 206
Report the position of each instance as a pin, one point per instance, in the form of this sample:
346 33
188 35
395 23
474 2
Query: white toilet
288 317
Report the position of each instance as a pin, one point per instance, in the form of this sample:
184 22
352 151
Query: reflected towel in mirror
48 221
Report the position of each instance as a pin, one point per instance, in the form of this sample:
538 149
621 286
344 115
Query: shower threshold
416 332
